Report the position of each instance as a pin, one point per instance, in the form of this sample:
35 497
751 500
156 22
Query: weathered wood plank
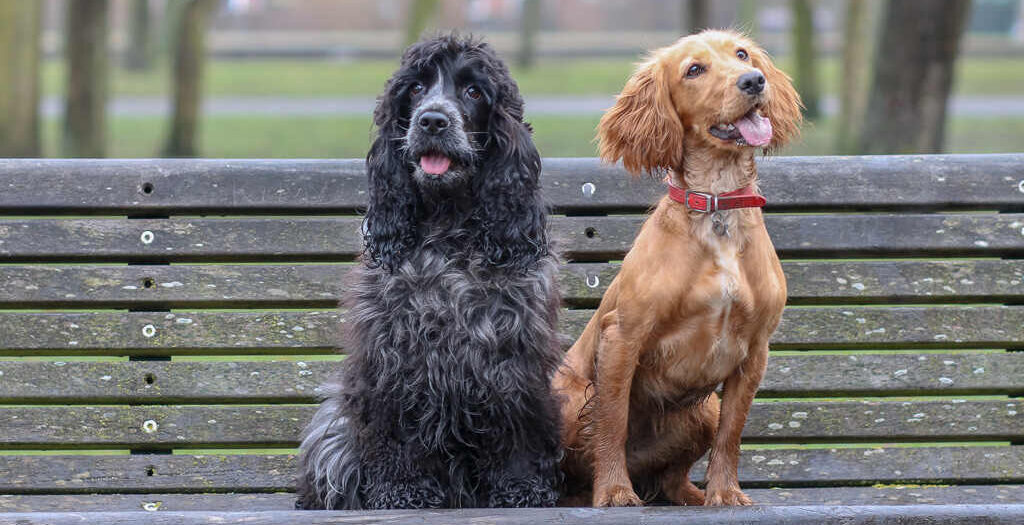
582 284
894 495
338 186
157 333
997 514
261 473
581 238
156 382
276 425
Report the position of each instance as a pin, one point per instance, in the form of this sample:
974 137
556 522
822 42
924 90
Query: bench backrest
189 306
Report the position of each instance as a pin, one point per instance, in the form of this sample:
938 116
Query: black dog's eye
474 92
694 71
417 88
742 53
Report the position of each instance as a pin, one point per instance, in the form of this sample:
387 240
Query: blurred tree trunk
20 24
913 76
696 15
805 53
138 53
187 74
855 63
420 14
529 25
85 119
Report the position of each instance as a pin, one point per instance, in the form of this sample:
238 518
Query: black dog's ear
394 203
509 206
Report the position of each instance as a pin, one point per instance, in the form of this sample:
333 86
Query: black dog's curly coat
445 400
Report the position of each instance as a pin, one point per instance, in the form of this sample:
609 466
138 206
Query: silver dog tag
718 224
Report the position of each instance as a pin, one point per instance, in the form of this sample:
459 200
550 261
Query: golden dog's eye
742 53
417 88
694 71
473 92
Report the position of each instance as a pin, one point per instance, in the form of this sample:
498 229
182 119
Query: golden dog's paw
716 497
617 496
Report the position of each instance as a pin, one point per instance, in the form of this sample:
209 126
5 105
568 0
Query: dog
445 399
699 293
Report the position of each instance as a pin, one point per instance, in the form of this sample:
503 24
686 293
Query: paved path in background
276 106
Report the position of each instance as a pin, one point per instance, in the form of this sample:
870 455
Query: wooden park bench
165 325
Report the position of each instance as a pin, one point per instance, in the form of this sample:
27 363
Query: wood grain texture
996 514
581 238
274 473
140 427
582 284
118 333
155 382
894 495
928 182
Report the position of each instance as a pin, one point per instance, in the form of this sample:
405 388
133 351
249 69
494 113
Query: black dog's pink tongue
435 164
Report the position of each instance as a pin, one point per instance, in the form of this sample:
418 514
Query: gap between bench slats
581 284
162 333
137 382
262 473
167 186
581 238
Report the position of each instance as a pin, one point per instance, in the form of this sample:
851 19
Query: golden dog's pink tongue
756 130
435 164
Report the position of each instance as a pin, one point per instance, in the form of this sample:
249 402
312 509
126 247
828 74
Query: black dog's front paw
418 495
518 493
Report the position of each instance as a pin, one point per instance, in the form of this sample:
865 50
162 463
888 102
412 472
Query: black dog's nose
751 83
433 122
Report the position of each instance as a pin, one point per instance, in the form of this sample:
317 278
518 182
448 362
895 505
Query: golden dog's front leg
723 486
616 363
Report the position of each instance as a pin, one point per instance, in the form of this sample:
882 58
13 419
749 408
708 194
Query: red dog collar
710 203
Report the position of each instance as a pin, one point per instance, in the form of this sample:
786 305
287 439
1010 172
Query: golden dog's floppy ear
642 128
783 107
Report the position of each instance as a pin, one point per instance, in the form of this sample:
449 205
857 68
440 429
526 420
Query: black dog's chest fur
464 332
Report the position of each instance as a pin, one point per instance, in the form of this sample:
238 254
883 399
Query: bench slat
276 425
582 238
261 473
897 495
117 333
996 514
582 284
338 186
155 382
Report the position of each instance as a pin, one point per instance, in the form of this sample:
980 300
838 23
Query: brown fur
690 309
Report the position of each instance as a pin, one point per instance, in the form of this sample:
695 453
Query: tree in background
529 25
85 121
748 17
421 12
138 52
187 73
856 56
696 16
805 79
20 23
913 76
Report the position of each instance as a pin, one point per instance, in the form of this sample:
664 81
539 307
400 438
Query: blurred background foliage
297 78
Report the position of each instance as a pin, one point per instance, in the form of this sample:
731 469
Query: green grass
347 137
975 76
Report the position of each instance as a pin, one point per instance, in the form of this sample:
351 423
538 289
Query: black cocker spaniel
445 399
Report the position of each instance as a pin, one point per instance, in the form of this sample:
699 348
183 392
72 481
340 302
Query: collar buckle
700 201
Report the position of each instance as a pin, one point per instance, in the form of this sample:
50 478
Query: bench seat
165 325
